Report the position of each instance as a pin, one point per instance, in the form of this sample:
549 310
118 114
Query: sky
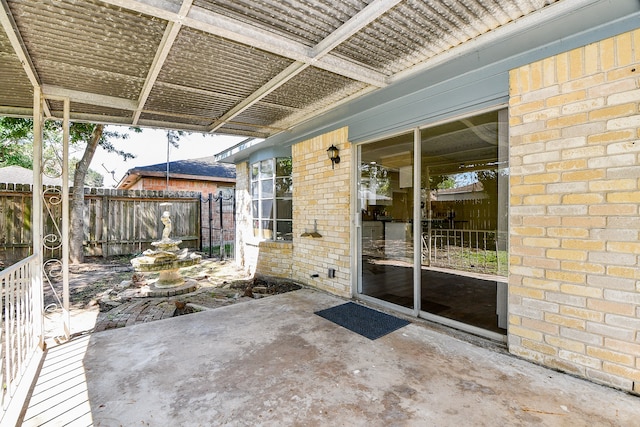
150 148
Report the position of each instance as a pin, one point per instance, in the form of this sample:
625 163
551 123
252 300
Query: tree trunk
76 254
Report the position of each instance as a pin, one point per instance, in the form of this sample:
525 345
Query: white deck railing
471 250
20 335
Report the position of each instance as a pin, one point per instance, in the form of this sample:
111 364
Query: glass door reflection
464 219
385 197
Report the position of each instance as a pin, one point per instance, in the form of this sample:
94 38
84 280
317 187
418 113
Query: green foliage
14 129
16 146
92 179
438 182
284 180
173 137
13 150
15 155
442 182
376 177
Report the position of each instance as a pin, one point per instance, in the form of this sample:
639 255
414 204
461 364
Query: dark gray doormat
362 320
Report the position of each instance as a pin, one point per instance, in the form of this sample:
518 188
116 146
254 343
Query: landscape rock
107 305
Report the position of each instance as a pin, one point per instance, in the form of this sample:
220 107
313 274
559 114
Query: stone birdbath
166 258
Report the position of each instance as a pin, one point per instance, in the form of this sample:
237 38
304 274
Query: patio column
66 318
62 229
36 215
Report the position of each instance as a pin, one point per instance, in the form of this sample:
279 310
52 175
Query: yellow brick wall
275 259
574 284
322 194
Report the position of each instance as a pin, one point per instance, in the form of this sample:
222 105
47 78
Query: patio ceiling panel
89 80
12 76
260 117
199 105
81 45
203 61
310 86
415 30
305 21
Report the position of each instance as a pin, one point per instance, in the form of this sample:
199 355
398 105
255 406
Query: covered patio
272 361
274 70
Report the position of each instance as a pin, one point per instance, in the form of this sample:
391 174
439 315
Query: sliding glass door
464 217
462 221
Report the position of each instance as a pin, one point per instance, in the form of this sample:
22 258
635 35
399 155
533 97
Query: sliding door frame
356 235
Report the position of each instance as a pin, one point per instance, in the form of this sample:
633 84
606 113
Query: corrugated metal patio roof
240 67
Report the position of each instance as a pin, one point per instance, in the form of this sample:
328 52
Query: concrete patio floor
273 362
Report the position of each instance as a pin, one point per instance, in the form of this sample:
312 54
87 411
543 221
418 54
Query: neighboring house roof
202 169
20 175
472 191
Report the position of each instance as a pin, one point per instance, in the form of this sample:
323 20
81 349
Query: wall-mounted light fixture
333 152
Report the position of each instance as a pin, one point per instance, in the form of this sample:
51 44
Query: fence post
200 210
105 225
210 225
234 223
221 228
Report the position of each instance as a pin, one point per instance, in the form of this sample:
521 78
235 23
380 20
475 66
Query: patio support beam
66 313
273 84
11 29
36 210
89 98
15 111
169 37
360 20
64 227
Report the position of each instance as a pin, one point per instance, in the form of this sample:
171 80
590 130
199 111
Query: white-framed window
271 196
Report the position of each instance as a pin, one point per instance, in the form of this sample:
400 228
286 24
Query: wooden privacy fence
122 222
116 222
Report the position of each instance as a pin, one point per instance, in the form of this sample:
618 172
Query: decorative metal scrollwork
52 231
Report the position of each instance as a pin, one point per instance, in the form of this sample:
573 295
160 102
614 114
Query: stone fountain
166 258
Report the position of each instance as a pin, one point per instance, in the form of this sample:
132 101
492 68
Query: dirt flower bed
110 286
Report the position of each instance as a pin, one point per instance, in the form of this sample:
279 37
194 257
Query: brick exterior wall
319 194
322 194
574 284
275 259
